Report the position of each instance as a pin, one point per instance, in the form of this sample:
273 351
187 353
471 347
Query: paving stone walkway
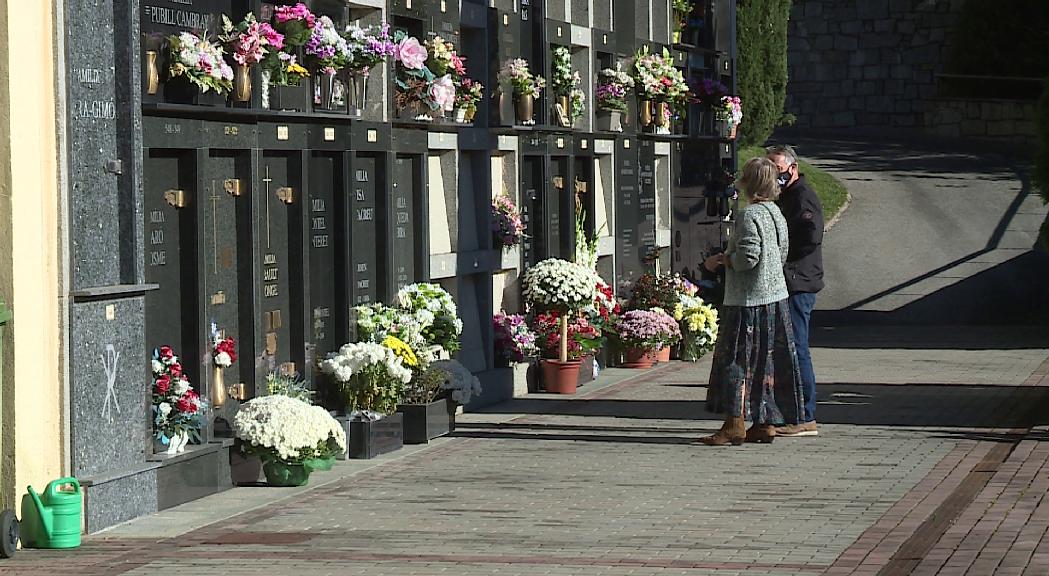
611 482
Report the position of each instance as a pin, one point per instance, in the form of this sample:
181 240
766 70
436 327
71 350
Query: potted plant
371 381
610 93
288 435
658 84
368 47
643 332
515 347
507 225
603 314
468 94
426 411
526 88
282 71
584 340
565 287
327 52
250 42
564 83
197 68
461 385
433 308
728 113
177 407
682 8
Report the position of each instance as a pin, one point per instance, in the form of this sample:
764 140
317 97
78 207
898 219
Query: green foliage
761 36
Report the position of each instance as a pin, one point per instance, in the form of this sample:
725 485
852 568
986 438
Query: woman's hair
759 180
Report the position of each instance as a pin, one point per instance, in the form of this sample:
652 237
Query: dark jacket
801 207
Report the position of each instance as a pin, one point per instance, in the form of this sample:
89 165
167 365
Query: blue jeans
801 305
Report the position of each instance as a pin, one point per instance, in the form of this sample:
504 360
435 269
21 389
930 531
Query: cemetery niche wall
267 210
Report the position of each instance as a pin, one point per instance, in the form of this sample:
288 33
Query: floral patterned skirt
755 372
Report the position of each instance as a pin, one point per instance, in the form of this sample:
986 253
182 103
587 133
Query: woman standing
755 372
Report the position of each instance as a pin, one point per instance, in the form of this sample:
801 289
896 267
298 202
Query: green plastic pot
280 473
322 464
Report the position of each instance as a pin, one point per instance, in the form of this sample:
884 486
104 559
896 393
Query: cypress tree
761 41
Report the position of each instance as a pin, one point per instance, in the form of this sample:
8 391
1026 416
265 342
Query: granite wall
874 64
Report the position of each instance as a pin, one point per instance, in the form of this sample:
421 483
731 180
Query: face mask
784 177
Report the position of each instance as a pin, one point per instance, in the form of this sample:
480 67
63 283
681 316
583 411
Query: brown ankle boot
761 434
732 432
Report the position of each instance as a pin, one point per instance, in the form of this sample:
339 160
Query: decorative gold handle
580 187
286 194
238 392
176 198
231 186
559 182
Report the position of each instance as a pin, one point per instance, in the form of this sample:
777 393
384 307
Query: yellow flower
679 311
294 68
401 350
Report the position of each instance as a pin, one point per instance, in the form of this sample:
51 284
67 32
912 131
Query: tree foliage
761 40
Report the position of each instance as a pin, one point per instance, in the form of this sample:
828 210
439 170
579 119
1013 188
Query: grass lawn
830 190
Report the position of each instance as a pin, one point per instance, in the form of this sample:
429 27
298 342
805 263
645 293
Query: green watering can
52 519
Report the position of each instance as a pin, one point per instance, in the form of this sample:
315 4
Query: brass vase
152 74
242 83
564 111
523 105
660 114
218 387
644 110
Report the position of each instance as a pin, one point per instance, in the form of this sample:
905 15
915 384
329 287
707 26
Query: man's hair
784 150
759 180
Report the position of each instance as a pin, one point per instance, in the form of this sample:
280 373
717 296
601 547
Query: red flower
166 352
176 369
228 346
188 402
162 384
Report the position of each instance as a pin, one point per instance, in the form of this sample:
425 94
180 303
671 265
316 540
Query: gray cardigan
755 276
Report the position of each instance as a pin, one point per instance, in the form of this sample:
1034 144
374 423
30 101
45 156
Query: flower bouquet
526 87
201 63
374 322
291 437
652 291
558 285
699 326
659 85
644 332
506 222
610 94
605 309
433 308
327 52
468 94
282 67
368 47
176 405
251 42
729 112
371 378
514 340
564 82
420 92
223 355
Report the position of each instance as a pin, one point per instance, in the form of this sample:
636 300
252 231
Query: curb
841 211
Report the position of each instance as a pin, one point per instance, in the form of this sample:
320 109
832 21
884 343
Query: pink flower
442 91
411 54
273 38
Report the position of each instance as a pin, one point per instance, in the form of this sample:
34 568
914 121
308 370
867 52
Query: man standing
803 270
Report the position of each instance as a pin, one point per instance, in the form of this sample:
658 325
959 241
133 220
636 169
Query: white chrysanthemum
222 359
289 427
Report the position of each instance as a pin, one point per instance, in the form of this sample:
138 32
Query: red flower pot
639 358
560 377
663 354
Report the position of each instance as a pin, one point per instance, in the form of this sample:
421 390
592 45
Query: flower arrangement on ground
289 385
201 62
374 322
295 23
289 435
555 285
514 340
699 326
176 405
583 337
647 330
605 309
652 291
368 47
250 41
656 78
564 82
371 377
326 50
612 87
434 309
426 386
461 385
507 224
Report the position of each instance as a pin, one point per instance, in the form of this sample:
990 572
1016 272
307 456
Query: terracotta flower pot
560 377
663 354
639 358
